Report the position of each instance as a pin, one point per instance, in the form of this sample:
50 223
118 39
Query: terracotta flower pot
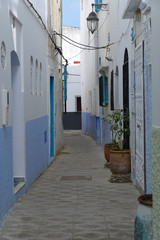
120 162
107 148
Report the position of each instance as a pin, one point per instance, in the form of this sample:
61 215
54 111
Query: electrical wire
63 36
93 39
87 47
49 35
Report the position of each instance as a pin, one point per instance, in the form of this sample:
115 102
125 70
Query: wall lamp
92 19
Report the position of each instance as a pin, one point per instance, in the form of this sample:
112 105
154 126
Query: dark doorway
126 92
78 102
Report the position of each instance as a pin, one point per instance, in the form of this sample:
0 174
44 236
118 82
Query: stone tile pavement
74 200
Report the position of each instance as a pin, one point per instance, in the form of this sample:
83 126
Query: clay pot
107 148
120 162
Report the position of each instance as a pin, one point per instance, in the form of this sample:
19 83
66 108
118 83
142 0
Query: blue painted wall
91 125
37 160
6 173
106 133
37 148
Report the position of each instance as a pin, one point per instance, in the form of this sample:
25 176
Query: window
31 74
40 80
103 91
36 78
97 8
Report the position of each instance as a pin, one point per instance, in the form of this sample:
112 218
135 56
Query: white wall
73 87
26 45
72 54
23 32
155 63
120 31
54 63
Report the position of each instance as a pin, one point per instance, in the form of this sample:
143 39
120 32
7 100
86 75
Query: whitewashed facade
125 27
26 68
155 117
72 54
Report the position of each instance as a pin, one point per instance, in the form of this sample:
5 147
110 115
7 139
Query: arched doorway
126 92
17 121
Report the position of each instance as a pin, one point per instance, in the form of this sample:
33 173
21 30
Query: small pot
143 220
107 148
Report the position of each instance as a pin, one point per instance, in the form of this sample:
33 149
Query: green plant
119 124
111 120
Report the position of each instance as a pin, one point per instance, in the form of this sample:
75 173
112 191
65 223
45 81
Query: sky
71 13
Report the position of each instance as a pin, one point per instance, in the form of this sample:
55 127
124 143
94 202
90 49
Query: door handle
138 125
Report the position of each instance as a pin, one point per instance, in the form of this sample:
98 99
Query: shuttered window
103 91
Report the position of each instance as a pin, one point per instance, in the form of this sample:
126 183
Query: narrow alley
74 200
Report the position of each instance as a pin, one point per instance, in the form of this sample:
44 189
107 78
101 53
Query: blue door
51 117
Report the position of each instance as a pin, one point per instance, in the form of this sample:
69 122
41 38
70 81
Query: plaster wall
54 67
73 87
24 36
119 30
155 118
73 69
70 52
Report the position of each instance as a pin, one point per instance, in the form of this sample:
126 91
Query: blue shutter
97 8
105 90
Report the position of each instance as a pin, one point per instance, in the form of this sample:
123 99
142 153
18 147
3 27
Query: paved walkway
73 200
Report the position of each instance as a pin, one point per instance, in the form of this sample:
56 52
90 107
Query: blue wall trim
6 173
37 148
37 160
106 133
91 125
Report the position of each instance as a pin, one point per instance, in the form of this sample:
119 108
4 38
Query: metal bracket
104 7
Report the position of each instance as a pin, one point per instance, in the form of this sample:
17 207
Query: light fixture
92 19
92 22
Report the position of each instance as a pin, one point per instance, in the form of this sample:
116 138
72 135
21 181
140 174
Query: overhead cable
45 28
79 45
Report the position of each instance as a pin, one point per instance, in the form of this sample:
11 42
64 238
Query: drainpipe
99 126
65 87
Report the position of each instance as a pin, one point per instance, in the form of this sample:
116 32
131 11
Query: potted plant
120 158
113 145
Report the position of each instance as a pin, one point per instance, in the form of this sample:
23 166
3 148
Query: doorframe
18 132
126 108
142 189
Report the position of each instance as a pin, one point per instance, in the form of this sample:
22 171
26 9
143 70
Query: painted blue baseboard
6 172
37 160
106 133
37 148
91 125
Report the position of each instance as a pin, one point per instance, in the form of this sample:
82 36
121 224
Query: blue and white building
30 96
119 76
